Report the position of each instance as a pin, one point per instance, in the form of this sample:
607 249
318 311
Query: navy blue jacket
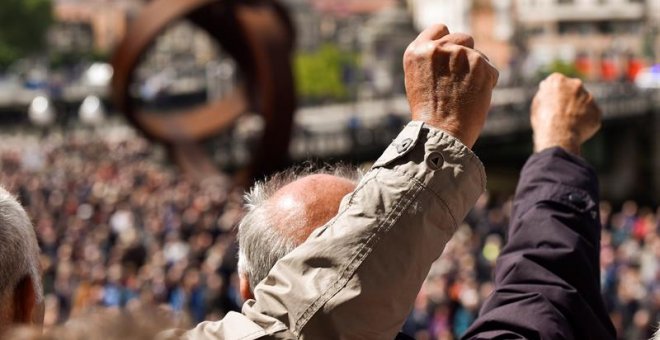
547 279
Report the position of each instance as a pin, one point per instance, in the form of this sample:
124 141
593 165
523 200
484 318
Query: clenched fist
564 114
449 84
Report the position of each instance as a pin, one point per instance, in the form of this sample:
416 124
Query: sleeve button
435 160
404 145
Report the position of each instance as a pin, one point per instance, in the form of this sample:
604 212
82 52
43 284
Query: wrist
569 143
448 126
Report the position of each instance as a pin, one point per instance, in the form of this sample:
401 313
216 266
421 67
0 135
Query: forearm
547 277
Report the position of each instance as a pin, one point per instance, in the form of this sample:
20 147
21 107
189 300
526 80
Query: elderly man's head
282 212
20 277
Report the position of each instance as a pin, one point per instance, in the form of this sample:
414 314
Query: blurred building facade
308 23
600 39
607 39
90 24
491 22
454 14
383 40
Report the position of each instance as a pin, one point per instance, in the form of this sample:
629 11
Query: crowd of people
461 279
119 227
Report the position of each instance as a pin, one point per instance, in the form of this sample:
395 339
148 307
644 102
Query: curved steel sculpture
259 36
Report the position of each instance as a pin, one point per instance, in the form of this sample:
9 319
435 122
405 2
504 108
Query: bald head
282 212
306 204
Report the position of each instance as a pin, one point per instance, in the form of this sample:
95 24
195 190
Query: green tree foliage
23 28
320 74
560 66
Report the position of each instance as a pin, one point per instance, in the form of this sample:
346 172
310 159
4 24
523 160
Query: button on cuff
435 160
404 145
401 145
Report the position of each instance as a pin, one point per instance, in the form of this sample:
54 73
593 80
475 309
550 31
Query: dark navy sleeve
547 278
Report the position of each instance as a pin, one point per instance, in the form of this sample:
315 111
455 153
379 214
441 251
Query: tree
560 66
23 28
320 75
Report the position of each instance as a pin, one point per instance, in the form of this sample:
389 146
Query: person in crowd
21 294
547 277
357 276
555 221
557 187
281 214
118 226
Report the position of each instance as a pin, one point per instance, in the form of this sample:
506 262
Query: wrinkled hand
449 84
564 114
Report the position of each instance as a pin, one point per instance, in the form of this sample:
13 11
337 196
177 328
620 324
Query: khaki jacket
357 277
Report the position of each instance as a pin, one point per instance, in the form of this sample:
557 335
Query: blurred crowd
118 227
461 280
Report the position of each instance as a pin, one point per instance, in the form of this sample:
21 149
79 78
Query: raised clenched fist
449 84
563 114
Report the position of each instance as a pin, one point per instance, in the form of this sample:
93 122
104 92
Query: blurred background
119 224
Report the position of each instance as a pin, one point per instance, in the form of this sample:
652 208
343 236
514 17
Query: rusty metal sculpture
258 35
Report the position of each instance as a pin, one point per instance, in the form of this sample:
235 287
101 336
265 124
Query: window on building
571 27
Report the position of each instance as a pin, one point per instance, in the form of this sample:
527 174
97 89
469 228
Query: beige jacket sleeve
357 277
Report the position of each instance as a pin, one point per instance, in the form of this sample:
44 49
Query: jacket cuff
440 163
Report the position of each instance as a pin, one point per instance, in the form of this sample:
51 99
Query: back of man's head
282 212
20 277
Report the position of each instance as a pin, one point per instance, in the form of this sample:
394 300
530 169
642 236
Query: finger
458 39
482 55
555 77
458 62
583 91
434 32
494 74
594 106
477 58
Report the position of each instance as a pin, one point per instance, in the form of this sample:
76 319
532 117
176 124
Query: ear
25 301
244 287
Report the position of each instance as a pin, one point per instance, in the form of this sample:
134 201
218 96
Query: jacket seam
462 150
345 267
453 218
360 255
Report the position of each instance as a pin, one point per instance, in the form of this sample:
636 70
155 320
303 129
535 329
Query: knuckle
409 49
442 51
496 75
434 48
459 51
409 54
475 58
441 27
415 53
577 83
556 77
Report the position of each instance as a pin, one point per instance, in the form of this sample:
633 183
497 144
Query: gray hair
261 244
19 251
